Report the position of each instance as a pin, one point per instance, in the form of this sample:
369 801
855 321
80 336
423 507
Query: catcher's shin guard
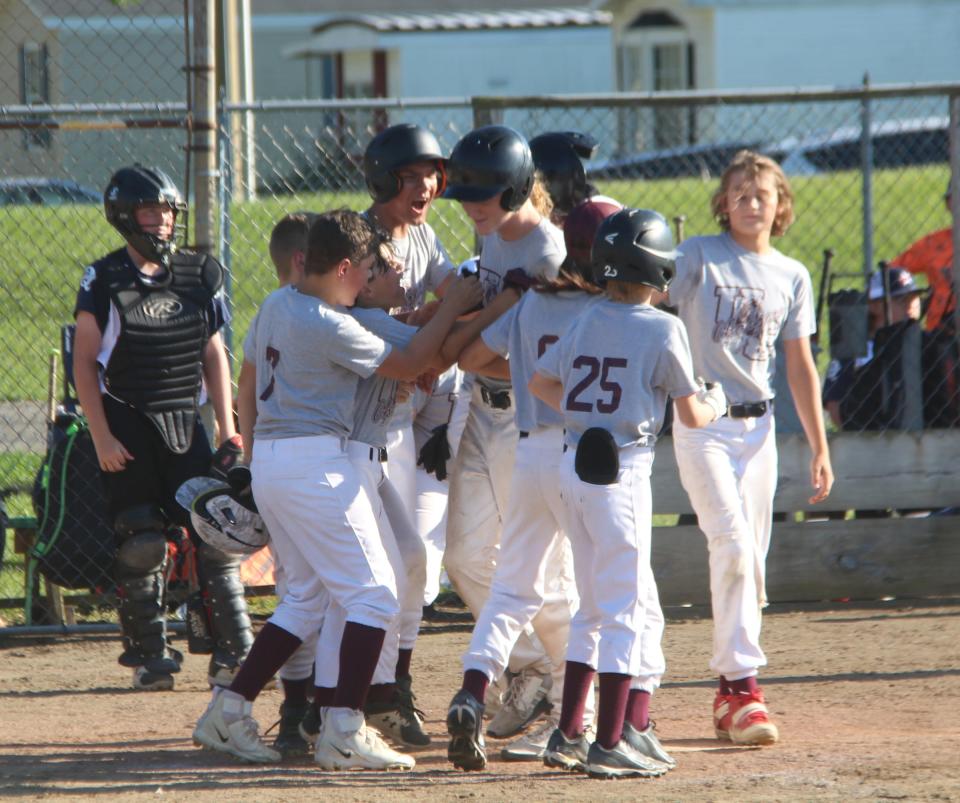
139 566
223 591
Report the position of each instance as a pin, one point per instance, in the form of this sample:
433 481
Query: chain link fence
868 169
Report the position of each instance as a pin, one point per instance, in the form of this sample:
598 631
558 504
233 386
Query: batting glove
711 393
226 457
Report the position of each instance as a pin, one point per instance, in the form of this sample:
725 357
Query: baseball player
491 173
390 703
736 294
309 357
404 171
534 568
557 157
147 347
612 396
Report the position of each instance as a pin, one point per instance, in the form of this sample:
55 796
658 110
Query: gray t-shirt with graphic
377 395
618 363
309 358
425 264
734 304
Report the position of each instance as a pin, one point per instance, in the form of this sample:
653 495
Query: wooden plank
814 561
874 471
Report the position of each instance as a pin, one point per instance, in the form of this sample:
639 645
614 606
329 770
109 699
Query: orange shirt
933 255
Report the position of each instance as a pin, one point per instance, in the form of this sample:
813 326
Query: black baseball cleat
466 750
289 741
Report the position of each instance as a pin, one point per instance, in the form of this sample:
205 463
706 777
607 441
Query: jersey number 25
596 368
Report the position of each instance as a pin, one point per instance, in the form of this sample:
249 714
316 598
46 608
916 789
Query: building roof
470 21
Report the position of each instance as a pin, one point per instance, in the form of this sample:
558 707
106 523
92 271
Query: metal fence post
866 168
955 199
204 133
225 196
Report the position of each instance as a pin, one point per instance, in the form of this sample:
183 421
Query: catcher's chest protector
156 366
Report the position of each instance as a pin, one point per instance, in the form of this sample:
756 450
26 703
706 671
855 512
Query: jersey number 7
601 369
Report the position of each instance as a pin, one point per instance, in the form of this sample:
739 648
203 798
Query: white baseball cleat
346 743
228 727
525 700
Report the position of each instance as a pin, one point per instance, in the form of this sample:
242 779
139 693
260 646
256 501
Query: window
34 89
657 54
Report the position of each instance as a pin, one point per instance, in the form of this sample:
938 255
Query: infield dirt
867 700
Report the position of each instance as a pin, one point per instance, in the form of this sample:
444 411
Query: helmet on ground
220 519
135 186
557 156
635 245
393 148
580 228
488 161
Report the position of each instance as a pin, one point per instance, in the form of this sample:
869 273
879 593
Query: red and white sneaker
721 716
743 719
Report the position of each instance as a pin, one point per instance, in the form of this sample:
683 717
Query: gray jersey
618 364
425 264
523 334
309 358
539 252
377 395
735 303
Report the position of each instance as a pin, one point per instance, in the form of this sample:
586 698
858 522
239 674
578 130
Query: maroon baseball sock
577 684
359 651
322 698
744 685
475 682
638 709
295 691
271 649
381 692
403 663
614 692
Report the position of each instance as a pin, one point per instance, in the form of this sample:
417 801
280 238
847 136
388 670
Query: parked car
46 192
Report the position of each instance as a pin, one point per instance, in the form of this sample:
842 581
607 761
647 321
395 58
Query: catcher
147 350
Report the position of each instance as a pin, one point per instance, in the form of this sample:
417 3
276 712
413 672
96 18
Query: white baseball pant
325 533
533 583
480 484
404 549
619 624
729 471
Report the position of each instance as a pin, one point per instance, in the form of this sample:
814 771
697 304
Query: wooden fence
821 559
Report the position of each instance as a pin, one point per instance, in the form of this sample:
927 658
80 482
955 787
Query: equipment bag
75 546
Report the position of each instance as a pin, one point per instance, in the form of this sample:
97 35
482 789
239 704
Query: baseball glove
435 453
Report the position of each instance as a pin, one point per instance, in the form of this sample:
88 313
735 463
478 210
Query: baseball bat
824 290
678 221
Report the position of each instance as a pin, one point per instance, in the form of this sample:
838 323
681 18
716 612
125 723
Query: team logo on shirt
163 307
490 281
386 403
742 325
89 275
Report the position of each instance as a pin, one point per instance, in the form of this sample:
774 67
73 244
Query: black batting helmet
557 156
488 161
391 149
635 245
132 187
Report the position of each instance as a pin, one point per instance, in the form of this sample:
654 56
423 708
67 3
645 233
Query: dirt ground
867 700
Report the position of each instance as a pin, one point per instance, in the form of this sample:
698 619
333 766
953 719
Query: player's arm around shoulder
805 388
407 363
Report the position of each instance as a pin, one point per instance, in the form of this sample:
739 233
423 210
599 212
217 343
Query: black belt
378 455
524 435
497 399
749 409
